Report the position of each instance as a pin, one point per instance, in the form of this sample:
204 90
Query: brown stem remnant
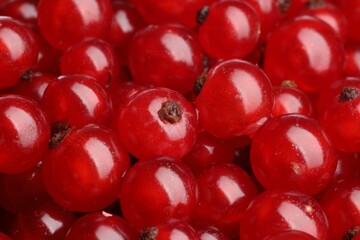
351 233
170 112
202 14
149 233
284 5
348 94
288 83
27 76
58 133
199 83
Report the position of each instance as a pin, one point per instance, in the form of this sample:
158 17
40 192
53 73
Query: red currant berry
290 235
46 221
84 171
158 115
66 22
48 59
92 57
18 51
352 64
348 166
22 10
166 56
350 10
225 191
211 233
231 29
126 22
302 154
235 98
341 205
24 134
101 226
156 191
275 211
291 100
4 237
305 43
170 231
76 100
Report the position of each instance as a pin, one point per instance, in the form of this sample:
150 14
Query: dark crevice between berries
170 112
348 94
315 3
284 5
199 83
202 14
109 81
58 133
27 76
351 233
205 63
288 83
149 233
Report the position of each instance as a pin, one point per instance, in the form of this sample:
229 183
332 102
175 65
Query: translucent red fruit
18 51
22 10
230 29
302 154
166 56
157 191
352 63
24 134
350 11
235 99
290 235
76 100
66 22
92 57
225 191
341 205
305 43
84 172
341 117
171 231
275 211
183 12
161 116
46 221
211 233
101 226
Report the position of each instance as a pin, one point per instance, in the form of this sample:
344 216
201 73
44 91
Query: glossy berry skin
275 211
101 226
84 172
302 154
48 59
170 231
66 22
76 100
22 10
290 235
343 127
340 203
352 63
164 113
211 233
22 191
292 46
4 237
230 30
349 9
236 98
33 86
348 166
156 191
166 56
24 134
208 150
159 12
18 51
225 191
46 221
291 100
126 22
93 57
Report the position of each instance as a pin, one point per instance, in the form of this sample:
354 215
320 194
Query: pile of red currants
180 119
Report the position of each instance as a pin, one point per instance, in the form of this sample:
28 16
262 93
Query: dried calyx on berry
27 76
58 133
348 94
149 233
288 83
284 5
199 83
352 233
202 14
170 112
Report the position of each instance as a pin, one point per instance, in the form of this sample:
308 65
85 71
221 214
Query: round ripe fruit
166 56
158 122
66 22
305 43
156 191
231 29
235 99
302 154
211 233
92 57
352 63
225 191
341 118
24 134
275 211
101 226
22 10
18 51
84 171
350 10
341 205
76 100
290 235
172 231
